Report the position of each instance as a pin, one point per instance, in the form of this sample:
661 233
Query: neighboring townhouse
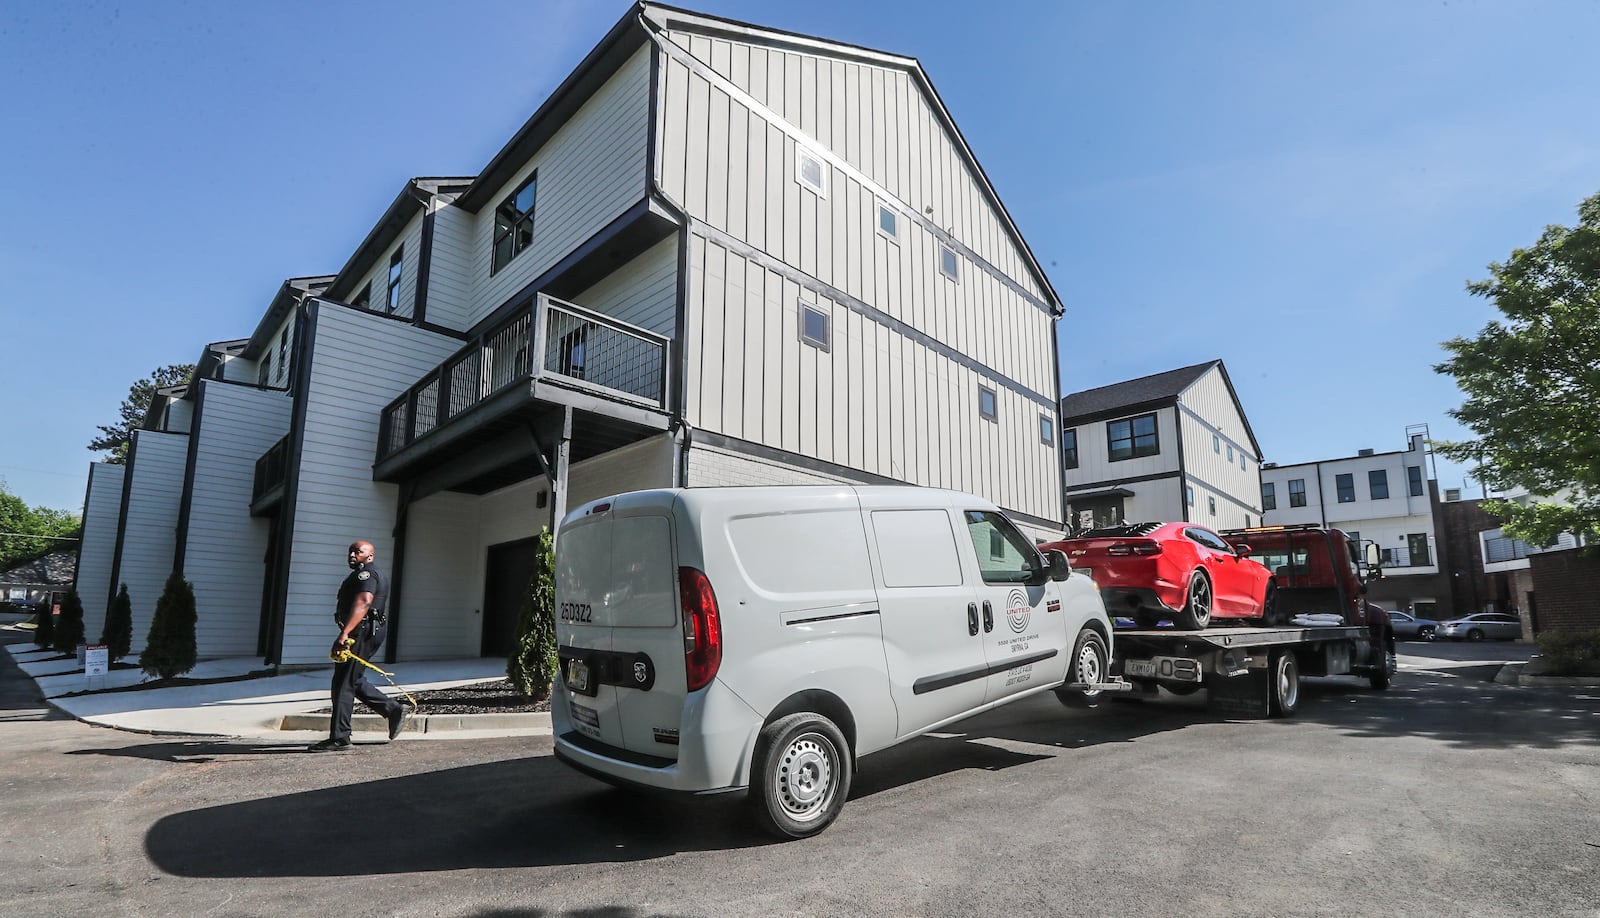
716 255
1170 446
1490 571
102 510
1388 499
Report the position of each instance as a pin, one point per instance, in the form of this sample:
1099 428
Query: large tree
28 532
1532 382
114 440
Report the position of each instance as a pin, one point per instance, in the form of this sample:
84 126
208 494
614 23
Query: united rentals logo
1017 611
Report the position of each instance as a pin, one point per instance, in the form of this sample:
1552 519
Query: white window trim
995 397
826 343
877 221
801 153
1047 430
956 277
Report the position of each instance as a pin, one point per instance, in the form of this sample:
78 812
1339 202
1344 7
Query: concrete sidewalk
275 707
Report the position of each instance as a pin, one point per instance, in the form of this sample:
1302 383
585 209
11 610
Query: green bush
44 635
1570 653
532 667
118 632
69 624
169 651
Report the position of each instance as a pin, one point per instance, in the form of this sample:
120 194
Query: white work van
718 639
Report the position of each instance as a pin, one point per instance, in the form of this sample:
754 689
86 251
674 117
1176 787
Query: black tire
800 776
1425 634
1090 663
1271 615
1475 634
1284 683
1379 678
1196 612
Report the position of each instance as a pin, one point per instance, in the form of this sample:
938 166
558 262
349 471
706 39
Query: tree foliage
169 651
1532 382
532 667
39 529
44 635
117 635
69 624
113 440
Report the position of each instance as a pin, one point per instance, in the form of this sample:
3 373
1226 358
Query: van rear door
617 623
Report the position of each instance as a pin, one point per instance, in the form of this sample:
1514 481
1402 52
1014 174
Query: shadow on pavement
194 752
20 699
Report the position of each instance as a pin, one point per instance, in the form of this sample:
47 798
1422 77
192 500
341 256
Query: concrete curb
1513 674
425 723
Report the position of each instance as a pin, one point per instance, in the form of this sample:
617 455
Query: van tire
801 775
1090 663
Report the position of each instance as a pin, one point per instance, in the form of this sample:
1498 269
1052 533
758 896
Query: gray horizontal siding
450 269
150 534
643 292
100 514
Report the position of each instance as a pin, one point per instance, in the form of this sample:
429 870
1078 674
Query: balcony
267 490
519 375
1402 557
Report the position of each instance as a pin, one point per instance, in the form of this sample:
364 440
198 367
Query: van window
916 548
1004 554
818 552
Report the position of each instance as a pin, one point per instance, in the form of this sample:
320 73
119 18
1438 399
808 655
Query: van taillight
702 628
1139 547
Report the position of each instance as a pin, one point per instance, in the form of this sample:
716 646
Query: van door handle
972 618
988 617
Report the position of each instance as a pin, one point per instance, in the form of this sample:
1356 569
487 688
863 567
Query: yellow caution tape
346 655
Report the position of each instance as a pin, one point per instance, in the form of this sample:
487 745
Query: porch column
563 453
397 568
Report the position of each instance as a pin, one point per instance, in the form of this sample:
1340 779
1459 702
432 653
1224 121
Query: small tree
118 632
45 634
169 651
69 628
532 667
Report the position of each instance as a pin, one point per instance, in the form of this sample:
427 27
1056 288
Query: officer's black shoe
329 745
397 720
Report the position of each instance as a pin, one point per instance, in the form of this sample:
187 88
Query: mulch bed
498 697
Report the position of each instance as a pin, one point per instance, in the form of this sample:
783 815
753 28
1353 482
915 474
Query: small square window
1230 453
1211 504
949 265
1188 494
1242 465
809 171
815 327
988 404
1216 443
888 222
1047 430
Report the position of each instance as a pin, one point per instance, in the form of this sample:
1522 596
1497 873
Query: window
1047 430
1188 494
513 224
888 222
815 327
1378 483
1132 437
1211 504
1069 448
1209 539
1269 496
809 172
988 407
1414 480
1297 492
364 298
266 370
1417 544
283 354
1346 486
1216 443
1241 463
949 266
1230 453
1004 554
395 261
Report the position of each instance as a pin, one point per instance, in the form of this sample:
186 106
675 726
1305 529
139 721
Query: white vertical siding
338 500
643 292
1219 460
591 171
451 268
152 518
225 545
100 514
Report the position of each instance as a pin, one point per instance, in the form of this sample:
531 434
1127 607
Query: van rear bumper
617 780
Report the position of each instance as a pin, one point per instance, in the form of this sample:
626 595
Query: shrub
69 624
44 635
169 651
1570 653
118 632
532 667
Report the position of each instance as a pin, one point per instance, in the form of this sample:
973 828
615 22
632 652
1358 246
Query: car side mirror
1243 551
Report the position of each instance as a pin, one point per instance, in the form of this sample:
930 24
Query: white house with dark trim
1170 446
717 254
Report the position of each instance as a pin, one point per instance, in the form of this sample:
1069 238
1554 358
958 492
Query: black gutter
419 302
1183 467
180 550
122 519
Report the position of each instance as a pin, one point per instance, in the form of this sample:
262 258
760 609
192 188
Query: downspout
1322 504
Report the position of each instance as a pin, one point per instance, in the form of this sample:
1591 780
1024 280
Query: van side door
1022 625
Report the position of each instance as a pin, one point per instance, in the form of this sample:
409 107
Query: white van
718 639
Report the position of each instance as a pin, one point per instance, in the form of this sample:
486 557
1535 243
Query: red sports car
1181 572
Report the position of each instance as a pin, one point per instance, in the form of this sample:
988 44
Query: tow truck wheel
1285 686
801 775
1090 664
1196 613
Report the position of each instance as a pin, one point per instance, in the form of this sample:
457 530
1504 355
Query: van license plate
578 675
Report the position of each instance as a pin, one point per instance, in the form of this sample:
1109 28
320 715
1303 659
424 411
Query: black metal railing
270 469
613 358
1504 549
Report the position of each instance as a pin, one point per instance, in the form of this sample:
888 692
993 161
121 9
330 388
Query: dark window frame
513 225
1139 445
1069 447
1047 430
824 342
1413 540
397 263
1414 480
1297 496
993 414
1344 485
1269 495
1378 480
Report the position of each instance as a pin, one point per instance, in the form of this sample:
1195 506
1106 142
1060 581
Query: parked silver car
1495 626
1411 628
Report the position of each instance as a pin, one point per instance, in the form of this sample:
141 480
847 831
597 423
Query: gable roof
411 200
1158 390
289 294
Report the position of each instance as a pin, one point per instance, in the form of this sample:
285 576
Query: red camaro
1180 572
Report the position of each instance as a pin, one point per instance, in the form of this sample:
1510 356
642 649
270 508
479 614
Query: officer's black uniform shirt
366 578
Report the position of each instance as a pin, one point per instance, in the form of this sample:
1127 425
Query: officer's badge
363 575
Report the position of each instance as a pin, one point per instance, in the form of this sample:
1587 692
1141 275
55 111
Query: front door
505 589
1022 634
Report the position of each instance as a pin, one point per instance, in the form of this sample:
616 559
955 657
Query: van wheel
1196 613
802 775
1090 663
1285 686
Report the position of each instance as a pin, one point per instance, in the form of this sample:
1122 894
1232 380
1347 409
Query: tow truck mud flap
1244 695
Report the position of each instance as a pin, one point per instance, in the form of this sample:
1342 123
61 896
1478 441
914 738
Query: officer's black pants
350 682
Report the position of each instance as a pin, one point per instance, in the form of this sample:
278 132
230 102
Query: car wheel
1090 663
1285 683
801 776
1270 615
1425 634
1196 613
1475 634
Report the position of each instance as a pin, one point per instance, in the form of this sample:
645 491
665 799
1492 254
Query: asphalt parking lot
1448 795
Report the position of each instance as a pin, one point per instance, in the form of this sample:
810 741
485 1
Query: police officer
362 617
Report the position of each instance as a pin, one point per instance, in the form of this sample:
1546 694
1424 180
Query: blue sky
1300 189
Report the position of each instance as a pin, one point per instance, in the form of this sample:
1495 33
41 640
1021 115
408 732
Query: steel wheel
1285 683
801 775
1196 613
805 777
1090 664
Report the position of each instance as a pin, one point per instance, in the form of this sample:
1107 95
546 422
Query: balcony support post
555 468
397 567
